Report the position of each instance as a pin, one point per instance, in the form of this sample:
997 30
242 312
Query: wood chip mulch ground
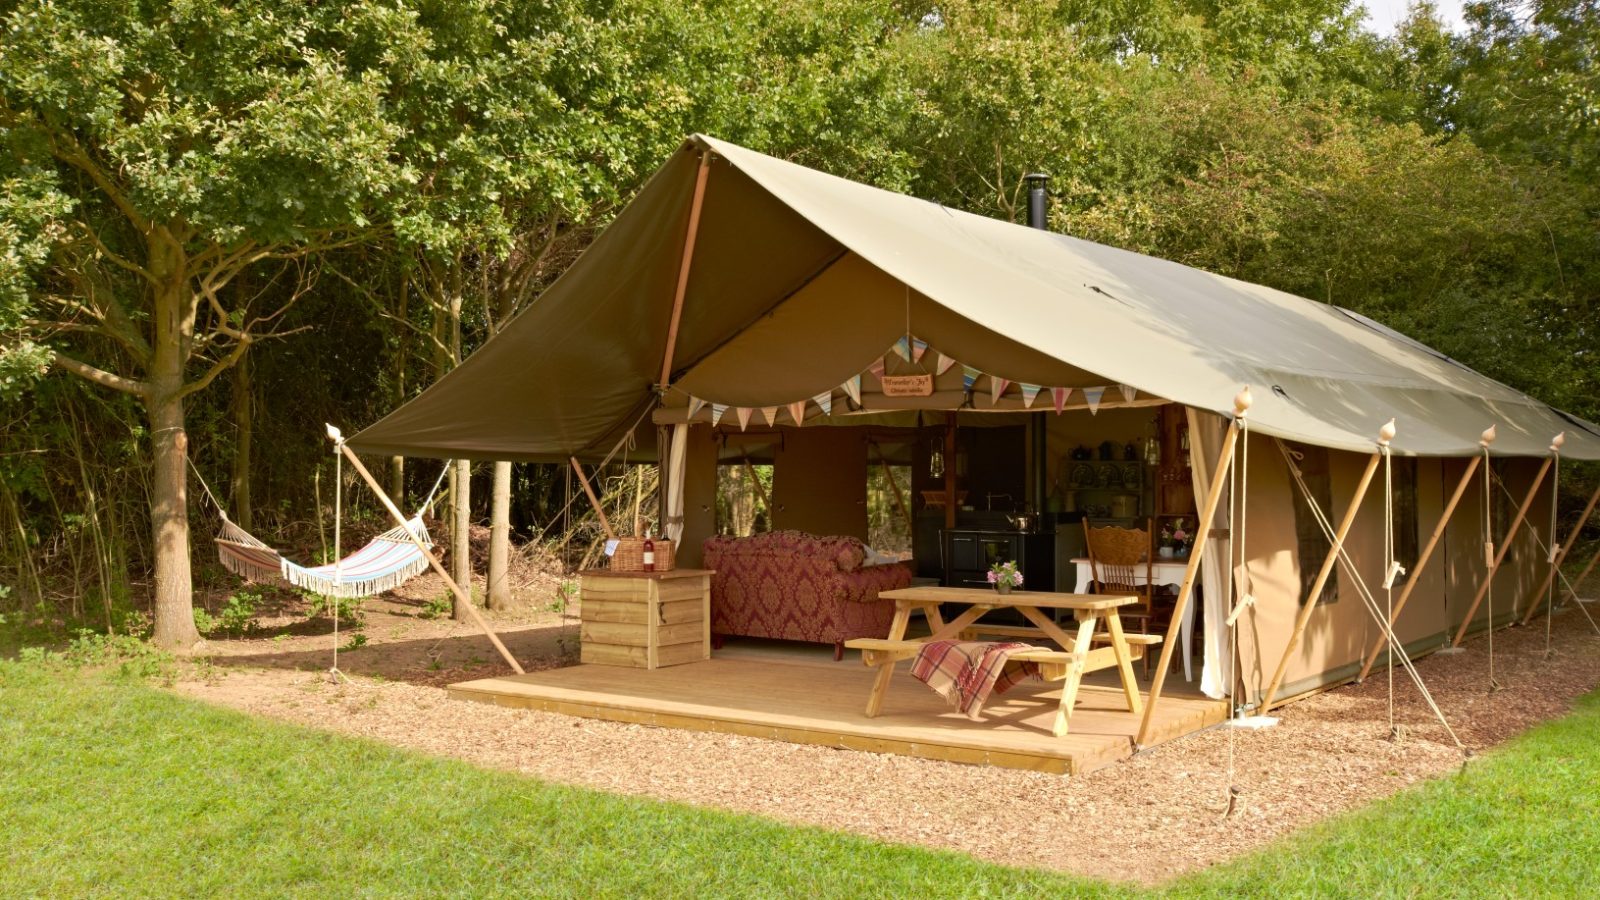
1146 820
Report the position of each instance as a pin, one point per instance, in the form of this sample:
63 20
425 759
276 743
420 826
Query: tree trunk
243 424
500 538
460 543
172 326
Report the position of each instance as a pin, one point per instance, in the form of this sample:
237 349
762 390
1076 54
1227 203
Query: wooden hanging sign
908 385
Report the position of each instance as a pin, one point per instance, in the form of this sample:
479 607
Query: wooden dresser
645 619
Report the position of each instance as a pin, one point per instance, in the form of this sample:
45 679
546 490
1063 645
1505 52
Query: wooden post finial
1488 436
1557 441
1241 402
1386 433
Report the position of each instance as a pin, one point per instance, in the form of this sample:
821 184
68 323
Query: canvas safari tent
739 291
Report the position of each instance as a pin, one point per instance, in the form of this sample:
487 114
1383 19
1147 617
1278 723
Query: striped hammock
388 561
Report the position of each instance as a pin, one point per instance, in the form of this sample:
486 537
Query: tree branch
100 376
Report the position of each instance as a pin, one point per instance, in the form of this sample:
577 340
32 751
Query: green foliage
437 607
348 609
237 617
128 655
356 642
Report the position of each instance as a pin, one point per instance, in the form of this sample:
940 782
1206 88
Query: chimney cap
1036 178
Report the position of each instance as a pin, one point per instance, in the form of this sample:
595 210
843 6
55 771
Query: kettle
1023 522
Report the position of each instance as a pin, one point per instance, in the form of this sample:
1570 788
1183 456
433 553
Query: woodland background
225 223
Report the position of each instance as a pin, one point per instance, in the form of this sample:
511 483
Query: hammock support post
1219 477
433 561
1560 556
1422 562
1328 564
605 524
1500 554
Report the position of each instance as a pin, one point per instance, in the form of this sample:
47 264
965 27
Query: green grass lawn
111 787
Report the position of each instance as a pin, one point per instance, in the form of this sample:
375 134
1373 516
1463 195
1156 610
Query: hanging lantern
936 460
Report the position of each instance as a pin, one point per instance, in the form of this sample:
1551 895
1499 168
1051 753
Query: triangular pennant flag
717 409
695 405
797 409
853 389
1128 392
997 386
1092 397
902 349
969 377
743 414
944 365
824 400
1029 392
1058 396
876 368
918 347
769 414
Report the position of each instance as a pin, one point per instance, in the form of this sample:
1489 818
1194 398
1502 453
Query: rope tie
1488 555
1550 553
1390 565
1238 500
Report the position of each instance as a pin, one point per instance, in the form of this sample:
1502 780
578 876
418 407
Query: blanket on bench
967 672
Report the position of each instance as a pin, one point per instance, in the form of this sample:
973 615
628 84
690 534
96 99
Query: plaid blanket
966 672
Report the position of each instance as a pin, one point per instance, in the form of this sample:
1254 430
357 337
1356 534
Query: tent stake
461 595
683 266
1219 477
605 524
1505 545
1328 564
1421 563
1561 556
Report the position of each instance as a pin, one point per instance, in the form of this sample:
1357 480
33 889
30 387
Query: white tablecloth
1164 572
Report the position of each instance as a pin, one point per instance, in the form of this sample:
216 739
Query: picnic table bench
1078 653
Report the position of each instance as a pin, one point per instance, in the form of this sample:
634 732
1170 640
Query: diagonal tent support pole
1422 562
1328 564
461 595
1573 587
689 237
1219 477
1560 556
1500 554
605 524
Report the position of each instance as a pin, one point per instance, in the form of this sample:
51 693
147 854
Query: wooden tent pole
1584 574
1328 565
1500 555
761 492
605 524
465 599
683 266
1421 563
1219 477
1561 556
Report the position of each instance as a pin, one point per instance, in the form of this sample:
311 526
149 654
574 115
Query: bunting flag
997 386
902 348
1092 397
1029 392
944 365
969 377
742 413
876 369
797 409
1059 396
695 405
1128 392
918 347
852 388
717 409
769 414
824 400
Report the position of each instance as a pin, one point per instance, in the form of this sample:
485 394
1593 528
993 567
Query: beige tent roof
799 279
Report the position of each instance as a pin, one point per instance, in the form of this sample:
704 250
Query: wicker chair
1122 561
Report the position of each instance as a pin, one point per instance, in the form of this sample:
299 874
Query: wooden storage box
645 619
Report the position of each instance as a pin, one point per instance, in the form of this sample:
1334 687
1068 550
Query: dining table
1075 657
1165 571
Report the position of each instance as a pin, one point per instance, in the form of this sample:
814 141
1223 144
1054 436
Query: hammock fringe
401 560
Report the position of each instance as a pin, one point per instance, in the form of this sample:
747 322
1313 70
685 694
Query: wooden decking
822 703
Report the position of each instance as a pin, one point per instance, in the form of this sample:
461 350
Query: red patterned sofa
797 587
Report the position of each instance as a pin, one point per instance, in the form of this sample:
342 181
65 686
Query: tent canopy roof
799 279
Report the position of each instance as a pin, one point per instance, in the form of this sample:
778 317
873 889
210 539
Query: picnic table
1076 656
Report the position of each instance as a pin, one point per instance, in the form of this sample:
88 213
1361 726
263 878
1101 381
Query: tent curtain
1206 431
675 466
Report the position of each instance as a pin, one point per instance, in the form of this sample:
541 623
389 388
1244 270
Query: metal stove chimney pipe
1038 200
1038 217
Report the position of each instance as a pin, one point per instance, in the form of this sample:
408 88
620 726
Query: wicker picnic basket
630 555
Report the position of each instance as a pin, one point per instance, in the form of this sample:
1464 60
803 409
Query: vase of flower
1005 576
1175 539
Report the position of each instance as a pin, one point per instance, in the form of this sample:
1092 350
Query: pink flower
993 577
1180 535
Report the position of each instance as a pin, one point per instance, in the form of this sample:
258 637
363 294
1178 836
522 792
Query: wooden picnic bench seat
1053 664
1136 641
